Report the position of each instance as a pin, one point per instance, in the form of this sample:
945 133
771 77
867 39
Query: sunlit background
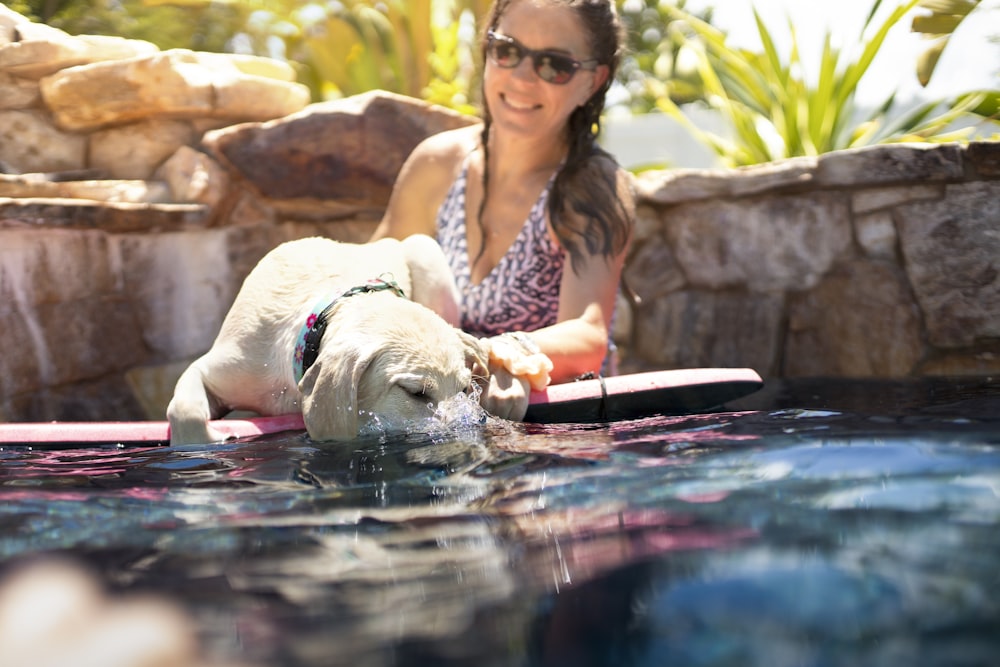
970 61
682 98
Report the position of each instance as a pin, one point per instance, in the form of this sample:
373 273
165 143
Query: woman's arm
578 341
576 344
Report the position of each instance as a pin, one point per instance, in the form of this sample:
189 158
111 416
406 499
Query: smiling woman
516 199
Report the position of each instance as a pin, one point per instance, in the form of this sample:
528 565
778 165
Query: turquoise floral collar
311 333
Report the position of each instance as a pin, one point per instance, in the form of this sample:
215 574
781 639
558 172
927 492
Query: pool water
814 523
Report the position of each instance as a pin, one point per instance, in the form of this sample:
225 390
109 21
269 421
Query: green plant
356 46
421 48
943 19
202 26
453 62
775 113
654 65
939 25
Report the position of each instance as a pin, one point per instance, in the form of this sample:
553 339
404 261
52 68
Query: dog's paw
194 433
506 395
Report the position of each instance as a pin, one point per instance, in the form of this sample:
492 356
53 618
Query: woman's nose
526 69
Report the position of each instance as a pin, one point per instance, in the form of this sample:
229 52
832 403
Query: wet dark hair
587 182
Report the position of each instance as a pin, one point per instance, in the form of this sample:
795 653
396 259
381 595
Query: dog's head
394 363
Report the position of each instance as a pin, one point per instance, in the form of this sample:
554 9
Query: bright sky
971 61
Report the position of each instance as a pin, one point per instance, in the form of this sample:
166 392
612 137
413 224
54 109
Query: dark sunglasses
550 66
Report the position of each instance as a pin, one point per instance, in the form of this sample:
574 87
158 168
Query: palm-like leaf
774 112
939 25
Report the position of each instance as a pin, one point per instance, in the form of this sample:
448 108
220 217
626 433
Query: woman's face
519 100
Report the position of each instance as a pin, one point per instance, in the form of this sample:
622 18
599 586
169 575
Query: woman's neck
518 157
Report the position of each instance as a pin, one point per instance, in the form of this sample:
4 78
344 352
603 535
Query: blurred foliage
201 26
422 48
939 24
429 49
775 113
656 66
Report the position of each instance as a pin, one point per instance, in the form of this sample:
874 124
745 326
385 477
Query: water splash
462 411
454 416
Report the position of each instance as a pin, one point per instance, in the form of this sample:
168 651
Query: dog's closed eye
415 385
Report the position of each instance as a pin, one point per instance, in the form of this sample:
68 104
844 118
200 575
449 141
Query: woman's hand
521 357
516 366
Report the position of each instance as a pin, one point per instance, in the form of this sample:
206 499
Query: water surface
815 523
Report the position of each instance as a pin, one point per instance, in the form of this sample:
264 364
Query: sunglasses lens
505 54
554 68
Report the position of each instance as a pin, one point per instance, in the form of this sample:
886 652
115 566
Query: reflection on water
855 527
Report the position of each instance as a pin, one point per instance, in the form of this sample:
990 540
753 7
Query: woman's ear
601 75
330 393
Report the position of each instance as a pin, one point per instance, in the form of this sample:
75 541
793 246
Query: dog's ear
330 393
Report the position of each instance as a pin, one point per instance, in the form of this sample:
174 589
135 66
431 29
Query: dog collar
311 333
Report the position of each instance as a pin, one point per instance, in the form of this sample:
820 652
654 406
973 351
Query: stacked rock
114 108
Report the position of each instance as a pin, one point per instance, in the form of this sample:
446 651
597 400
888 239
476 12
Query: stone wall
878 262
129 217
120 107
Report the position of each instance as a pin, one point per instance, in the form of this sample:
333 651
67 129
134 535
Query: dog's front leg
192 408
430 277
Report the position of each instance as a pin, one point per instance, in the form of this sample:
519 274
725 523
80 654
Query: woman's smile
518 105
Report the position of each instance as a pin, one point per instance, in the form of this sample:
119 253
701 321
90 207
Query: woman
534 217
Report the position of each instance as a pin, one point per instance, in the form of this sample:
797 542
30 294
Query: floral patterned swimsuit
521 293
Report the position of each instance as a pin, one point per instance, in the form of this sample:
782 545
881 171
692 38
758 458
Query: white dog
334 330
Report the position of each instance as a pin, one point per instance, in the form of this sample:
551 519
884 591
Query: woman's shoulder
436 161
423 182
601 171
601 191
448 147
604 163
